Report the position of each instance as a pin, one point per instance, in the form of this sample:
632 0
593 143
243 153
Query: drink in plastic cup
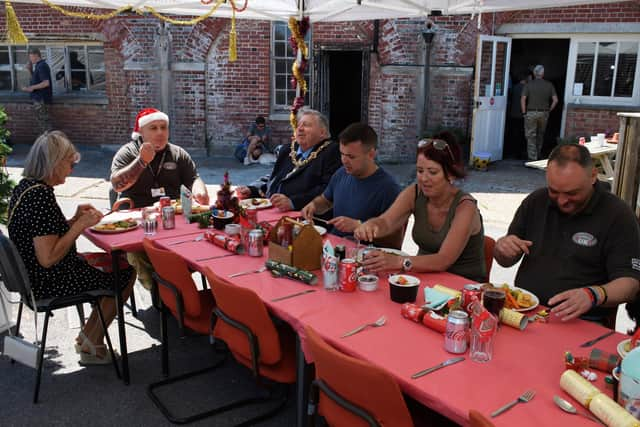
601 139
493 301
150 225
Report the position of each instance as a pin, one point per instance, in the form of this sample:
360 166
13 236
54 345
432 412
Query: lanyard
155 174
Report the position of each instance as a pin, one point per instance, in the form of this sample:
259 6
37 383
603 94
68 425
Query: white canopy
326 10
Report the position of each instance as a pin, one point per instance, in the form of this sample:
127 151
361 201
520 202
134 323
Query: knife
215 257
595 340
438 366
293 295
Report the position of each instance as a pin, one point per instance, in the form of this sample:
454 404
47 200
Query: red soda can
470 293
412 312
252 216
348 279
164 201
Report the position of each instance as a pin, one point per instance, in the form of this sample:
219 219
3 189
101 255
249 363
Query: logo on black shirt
584 239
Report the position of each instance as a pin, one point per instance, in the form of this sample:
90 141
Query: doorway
341 86
553 54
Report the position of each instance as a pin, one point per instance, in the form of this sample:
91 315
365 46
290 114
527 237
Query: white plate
133 226
534 298
320 229
257 203
621 347
385 250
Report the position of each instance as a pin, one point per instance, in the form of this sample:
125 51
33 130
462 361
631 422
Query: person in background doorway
538 99
515 143
39 88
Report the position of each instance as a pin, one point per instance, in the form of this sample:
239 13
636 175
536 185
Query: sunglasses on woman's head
438 144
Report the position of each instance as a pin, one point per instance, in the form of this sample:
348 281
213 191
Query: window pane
280 31
281 82
501 58
23 78
281 97
584 66
605 69
281 67
98 81
96 60
4 55
485 70
279 50
627 60
5 80
20 55
56 63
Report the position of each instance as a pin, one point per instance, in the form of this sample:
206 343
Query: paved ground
73 395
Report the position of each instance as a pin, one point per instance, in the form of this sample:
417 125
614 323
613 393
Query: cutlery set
447 362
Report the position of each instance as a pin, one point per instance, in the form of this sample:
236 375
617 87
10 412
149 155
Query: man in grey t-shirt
538 99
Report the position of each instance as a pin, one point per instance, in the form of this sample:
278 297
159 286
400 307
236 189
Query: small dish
222 219
320 229
403 288
232 229
368 282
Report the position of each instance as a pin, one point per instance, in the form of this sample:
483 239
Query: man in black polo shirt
538 99
39 88
581 244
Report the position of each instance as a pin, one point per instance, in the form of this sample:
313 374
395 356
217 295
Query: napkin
434 298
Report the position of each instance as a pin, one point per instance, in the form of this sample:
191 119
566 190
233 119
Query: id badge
157 192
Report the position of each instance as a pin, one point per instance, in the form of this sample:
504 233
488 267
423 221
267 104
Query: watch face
406 264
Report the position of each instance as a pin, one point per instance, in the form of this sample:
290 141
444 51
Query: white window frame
46 48
633 100
277 109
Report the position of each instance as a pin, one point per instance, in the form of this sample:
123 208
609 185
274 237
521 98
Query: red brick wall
588 122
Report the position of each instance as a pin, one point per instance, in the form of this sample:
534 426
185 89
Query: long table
529 359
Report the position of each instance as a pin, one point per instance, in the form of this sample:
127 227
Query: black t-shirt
593 247
170 169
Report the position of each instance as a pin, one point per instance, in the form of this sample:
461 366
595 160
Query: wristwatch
406 264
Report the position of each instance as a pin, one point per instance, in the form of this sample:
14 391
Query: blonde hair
47 151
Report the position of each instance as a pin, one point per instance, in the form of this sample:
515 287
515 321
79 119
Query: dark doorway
553 54
345 89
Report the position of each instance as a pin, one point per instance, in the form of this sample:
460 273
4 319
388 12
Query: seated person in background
255 147
579 244
448 227
46 240
360 189
150 167
303 169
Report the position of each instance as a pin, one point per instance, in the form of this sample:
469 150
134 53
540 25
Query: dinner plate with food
517 299
624 347
195 207
112 227
256 203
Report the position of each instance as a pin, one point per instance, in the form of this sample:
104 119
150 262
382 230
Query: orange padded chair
253 338
476 419
352 392
489 244
192 308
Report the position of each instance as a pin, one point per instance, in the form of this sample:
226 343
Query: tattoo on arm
127 176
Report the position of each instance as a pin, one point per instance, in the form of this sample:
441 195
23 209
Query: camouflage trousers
143 267
535 124
42 116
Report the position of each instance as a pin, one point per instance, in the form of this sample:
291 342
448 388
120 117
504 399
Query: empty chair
352 392
16 279
253 339
180 297
476 419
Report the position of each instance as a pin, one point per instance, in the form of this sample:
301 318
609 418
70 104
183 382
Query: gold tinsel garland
88 15
14 32
184 22
294 27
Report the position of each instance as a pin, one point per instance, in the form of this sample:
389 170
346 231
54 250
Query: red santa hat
145 117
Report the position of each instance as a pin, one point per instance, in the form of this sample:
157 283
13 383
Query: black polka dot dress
38 214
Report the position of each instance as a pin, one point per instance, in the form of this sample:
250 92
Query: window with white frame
75 68
605 71
282 57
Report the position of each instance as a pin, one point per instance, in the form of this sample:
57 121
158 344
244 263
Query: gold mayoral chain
299 163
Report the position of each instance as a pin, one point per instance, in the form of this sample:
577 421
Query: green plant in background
6 184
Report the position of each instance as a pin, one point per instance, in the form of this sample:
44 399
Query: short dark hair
260 120
35 51
449 158
359 132
564 154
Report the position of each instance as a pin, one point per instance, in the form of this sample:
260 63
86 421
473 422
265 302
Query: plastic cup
150 225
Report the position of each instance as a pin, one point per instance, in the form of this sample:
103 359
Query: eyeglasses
438 144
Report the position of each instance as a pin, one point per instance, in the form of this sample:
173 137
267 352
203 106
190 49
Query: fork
381 321
242 273
524 398
197 239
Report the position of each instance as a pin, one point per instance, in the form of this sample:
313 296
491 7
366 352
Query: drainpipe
427 35
164 49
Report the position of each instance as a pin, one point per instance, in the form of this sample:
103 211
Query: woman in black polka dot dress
46 240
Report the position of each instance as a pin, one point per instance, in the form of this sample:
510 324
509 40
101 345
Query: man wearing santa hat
150 167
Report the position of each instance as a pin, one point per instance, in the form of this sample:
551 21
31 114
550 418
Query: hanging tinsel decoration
14 31
298 32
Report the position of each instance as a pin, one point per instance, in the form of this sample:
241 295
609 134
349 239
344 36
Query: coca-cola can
470 293
348 276
255 243
252 215
164 202
456 335
168 217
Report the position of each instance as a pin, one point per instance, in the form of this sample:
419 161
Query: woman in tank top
448 227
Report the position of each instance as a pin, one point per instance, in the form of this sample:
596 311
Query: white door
490 95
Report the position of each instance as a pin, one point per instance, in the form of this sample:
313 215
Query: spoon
568 407
381 321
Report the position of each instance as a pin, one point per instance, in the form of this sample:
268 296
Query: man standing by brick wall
39 88
538 99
